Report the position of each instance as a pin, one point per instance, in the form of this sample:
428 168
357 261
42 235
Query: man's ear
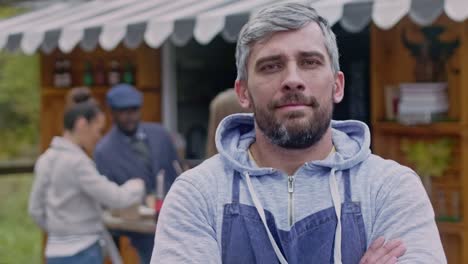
338 87
240 87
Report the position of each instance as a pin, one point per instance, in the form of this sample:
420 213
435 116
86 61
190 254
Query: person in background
291 185
68 191
224 104
135 149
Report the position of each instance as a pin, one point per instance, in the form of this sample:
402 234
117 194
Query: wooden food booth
146 68
392 63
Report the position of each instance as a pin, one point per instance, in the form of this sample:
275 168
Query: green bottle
128 76
88 79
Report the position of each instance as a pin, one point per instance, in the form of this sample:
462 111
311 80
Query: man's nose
292 79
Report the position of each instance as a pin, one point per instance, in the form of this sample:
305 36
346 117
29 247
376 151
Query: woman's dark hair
79 103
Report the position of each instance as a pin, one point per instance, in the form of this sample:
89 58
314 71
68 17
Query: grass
20 238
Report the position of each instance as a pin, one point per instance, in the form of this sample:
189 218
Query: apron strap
347 185
235 187
261 213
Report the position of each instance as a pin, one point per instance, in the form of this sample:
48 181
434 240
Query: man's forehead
306 39
127 110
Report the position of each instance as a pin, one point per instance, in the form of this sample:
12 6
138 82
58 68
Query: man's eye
272 67
311 63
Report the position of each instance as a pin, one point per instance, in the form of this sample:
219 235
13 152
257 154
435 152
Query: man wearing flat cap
135 149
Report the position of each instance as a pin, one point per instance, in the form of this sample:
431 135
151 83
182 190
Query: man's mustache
295 98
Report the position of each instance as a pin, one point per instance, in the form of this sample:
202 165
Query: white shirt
68 245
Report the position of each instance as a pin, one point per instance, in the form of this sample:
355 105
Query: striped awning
109 22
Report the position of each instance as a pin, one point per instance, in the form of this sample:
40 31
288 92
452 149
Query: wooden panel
149 72
386 50
452 247
463 73
52 108
151 110
392 64
463 166
46 70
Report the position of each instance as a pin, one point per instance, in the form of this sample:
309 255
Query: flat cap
123 96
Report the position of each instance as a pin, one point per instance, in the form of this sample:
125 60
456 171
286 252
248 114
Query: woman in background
224 104
68 191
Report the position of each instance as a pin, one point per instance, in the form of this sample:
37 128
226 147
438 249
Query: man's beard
298 134
126 130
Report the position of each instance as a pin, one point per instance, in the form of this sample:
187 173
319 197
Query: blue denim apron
310 240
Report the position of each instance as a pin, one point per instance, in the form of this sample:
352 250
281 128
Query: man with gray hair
290 185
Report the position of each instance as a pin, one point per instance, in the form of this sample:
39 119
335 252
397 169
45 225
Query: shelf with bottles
97 75
93 72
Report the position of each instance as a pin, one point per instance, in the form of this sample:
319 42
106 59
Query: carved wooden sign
431 54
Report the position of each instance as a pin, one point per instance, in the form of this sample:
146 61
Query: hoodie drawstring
335 193
261 212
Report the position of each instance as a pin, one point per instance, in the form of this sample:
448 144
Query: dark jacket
116 159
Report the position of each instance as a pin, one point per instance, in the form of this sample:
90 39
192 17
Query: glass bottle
99 75
114 73
129 75
58 70
88 75
66 74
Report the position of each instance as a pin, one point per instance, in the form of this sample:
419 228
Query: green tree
19 101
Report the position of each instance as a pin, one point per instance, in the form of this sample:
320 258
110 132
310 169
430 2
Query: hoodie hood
237 132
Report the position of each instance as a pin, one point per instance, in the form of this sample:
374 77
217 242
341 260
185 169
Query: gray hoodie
68 191
394 204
